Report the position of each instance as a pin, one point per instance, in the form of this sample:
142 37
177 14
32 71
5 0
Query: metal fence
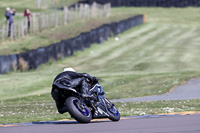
41 21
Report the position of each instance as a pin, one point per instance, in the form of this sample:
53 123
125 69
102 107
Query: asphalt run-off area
187 91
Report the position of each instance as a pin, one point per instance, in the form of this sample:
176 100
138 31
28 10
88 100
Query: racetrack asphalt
190 90
145 124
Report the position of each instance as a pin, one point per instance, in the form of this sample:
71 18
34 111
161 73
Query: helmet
68 69
7 8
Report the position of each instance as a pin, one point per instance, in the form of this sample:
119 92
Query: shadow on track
69 122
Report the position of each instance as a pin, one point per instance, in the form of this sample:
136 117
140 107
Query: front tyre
114 114
79 112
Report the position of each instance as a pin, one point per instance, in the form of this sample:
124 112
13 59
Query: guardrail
147 3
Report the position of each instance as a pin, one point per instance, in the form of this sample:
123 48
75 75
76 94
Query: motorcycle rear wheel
80 114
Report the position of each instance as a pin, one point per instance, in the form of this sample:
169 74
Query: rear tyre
79 112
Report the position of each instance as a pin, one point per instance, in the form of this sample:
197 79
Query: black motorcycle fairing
100 111
63 87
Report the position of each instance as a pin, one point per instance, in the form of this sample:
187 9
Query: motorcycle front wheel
78 111
114 114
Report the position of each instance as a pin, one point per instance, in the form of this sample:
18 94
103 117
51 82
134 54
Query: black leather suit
68 79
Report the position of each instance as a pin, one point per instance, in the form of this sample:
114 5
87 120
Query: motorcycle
97 106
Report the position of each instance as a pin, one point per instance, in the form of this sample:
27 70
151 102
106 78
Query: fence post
11 31
14 31
46 20
19 33
26 26
76 12
38 3
94 9
65 15
37 24
33 22
56 17
88 15
21 29
108 6
7 28
42 20
80 11
3 32
52 20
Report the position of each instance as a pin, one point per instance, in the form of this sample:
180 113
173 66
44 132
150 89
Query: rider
70 79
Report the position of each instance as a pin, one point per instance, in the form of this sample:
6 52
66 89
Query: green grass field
146 60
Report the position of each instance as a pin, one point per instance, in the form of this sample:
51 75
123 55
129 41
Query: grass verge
158 107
